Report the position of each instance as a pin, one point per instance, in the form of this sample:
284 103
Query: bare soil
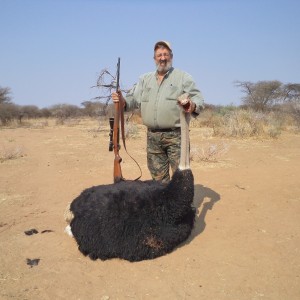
245 244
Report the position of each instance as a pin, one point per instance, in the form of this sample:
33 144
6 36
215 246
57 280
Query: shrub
209 153
131 130
8 112
11 153
247 123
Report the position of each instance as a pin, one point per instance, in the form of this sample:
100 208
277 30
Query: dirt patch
245 244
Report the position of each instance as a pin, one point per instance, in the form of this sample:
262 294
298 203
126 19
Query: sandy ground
245 244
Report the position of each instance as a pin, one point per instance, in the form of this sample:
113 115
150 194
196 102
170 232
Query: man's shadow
204 200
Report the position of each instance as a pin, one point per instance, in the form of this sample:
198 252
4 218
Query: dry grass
67 121
38 123
230 121
209 152
240 123
131 131
12 152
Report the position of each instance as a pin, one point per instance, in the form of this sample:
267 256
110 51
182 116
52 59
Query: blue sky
52 51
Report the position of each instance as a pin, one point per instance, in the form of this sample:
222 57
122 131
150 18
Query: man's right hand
118 97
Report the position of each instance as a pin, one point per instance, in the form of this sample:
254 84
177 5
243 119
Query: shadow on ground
204 200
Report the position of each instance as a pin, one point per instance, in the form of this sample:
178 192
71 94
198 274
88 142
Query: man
156 94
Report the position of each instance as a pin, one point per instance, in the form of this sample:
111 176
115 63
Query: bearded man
156 94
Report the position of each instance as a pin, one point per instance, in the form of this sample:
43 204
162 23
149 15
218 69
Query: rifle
114 133
115 125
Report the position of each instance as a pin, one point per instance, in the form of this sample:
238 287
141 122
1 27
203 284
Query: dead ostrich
136 220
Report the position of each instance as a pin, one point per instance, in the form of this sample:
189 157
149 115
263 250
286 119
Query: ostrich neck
184 162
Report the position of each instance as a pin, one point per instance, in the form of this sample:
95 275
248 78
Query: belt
164 129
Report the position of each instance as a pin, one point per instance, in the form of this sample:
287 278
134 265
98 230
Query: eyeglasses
162 55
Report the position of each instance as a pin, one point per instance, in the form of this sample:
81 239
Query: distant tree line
264 95
259 96
10 111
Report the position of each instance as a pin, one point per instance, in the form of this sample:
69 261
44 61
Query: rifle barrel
118 75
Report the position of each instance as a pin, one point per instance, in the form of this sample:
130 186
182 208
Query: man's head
163 56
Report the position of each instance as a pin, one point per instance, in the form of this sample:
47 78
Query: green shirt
158 102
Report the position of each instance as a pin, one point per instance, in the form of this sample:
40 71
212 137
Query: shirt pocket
172 93
146 94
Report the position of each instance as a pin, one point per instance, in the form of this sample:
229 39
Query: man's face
163 60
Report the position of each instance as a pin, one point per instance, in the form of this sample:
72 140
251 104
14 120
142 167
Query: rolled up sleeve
189 87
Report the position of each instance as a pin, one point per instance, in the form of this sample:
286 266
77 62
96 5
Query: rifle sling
121 110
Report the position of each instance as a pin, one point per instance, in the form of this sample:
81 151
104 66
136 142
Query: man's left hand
187 104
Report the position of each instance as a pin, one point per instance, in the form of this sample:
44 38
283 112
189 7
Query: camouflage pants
163 152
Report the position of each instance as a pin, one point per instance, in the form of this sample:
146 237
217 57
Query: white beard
164 68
